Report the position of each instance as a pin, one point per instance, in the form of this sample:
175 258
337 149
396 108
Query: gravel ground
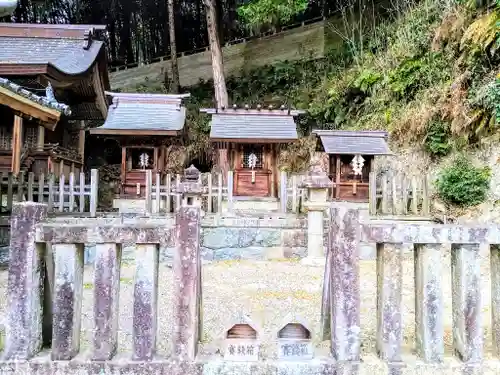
268 290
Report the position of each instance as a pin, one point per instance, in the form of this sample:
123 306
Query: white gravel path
268 290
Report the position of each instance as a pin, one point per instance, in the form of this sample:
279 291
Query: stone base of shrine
134 205
252 204
370 365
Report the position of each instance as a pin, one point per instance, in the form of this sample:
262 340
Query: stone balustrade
340 320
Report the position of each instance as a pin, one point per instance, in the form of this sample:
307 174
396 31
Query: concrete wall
289 45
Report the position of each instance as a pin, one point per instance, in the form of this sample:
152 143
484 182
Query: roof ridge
49 31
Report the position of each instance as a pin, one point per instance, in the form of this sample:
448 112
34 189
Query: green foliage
367 79
463 184
271 12
417 73
437 139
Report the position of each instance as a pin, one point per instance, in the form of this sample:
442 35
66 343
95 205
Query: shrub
437 139
463 184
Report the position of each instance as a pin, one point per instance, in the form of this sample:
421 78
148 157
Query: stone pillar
23 326
344 283
68 295
495 297
145 302
106 296
317 184
429 325
187 284
466 302
389 301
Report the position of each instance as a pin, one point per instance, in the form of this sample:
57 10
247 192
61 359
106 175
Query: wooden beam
99 90
49 117
40 140
17 135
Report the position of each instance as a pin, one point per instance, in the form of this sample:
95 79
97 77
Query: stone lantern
317 184
191 188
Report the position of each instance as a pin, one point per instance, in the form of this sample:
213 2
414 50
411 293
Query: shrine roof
144 114
249 125
32 48
41 100
343 142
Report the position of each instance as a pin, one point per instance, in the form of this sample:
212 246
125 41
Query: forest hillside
429 74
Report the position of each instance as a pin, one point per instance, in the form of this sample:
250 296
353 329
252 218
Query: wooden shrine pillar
337 176
124 165
222 162
40 140
17 143
81 140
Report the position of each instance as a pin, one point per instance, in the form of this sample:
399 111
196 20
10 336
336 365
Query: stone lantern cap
191 182
295 320
191 174
317 179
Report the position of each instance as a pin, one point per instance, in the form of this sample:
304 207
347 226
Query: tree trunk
221 97
175 86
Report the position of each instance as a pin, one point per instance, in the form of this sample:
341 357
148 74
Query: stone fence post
317 184
187 322
25 284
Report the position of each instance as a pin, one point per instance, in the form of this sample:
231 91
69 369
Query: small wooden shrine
248 142
144 125
351 159
52 90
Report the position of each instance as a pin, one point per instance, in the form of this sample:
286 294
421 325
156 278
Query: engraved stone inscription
295 349
241 350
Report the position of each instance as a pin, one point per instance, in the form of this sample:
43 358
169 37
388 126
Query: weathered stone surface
466 305
326 309
495 297
25 285
106 296
293 238
216 366
390 295
151 233
187 284
344 283
68 288
227 237
145 302
429 233
429 308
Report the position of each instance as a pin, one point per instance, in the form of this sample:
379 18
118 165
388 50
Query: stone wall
233 238
289 45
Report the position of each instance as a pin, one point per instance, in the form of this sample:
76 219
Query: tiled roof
66 55
42 100
70 49
354 142
270 125
145 113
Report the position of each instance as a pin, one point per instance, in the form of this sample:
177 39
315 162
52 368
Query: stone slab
212 366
